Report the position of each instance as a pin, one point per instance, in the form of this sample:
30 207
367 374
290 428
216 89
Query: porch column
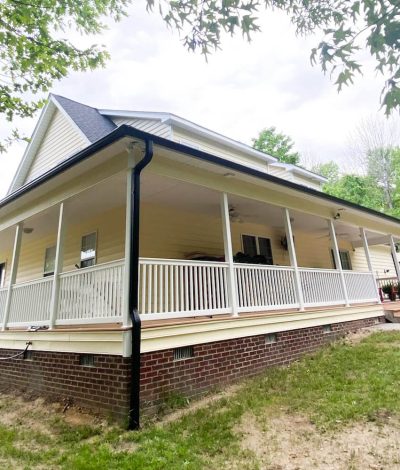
293 258
126 319
338 262
226 226
394 256
58 265
364 239
13 272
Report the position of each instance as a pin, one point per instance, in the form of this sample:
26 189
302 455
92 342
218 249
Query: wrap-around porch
210 281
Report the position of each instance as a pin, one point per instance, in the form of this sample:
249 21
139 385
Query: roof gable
90 122
63 128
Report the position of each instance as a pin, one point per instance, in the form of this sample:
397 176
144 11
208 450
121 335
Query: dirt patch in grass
198 404
291 442
357 336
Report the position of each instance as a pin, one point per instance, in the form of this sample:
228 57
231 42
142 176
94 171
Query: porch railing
321 287
30 302
261 287
178 288
91 295
3 298
361 287
384 281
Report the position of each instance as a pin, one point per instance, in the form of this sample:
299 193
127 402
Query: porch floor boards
193 320
264 313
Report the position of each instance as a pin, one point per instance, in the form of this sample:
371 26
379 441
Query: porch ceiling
192 198
182 196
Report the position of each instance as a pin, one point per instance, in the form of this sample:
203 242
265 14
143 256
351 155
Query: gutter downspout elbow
134 404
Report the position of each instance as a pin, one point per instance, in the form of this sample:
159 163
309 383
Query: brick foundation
59 376
224 362
105 386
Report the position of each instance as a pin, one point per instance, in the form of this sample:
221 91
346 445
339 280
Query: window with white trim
49 261
88 250
344 259
253 246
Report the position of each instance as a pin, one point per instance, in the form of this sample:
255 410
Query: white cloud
240 90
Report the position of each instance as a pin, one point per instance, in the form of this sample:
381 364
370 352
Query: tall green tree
278 145
359 189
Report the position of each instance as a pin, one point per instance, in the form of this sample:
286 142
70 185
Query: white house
133 236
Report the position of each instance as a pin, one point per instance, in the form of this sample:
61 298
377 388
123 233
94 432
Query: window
344 259
2 274
253 246
49 261
88 250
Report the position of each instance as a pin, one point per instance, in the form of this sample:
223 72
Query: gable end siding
60 141
152 126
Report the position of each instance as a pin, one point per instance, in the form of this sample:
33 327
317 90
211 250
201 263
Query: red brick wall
224 362
59 376
105 387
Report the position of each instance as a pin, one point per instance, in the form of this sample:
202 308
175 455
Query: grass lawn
336 409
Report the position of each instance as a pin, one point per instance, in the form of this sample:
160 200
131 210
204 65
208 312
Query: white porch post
58 265
232 292
338 262
394 256
126 319
364 240
13 272
293 258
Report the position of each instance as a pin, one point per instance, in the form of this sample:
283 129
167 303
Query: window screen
264 245
49 261
249 245
88 250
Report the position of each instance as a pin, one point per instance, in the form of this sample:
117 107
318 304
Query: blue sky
241 89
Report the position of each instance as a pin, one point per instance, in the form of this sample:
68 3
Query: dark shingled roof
88 119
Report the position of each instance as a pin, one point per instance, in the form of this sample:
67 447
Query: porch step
392 316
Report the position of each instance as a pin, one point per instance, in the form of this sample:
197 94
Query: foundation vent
86 360
271 338
327 328
28 355
183 353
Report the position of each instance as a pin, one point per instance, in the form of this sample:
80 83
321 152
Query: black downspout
134 405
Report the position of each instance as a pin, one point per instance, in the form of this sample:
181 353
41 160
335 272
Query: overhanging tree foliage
346 26
34 53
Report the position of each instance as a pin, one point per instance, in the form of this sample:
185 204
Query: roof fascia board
135 114
204 132
185 124
300 171
34 144
69 118
128 131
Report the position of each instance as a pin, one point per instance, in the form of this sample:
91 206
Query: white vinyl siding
61 141
152 126
381 259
